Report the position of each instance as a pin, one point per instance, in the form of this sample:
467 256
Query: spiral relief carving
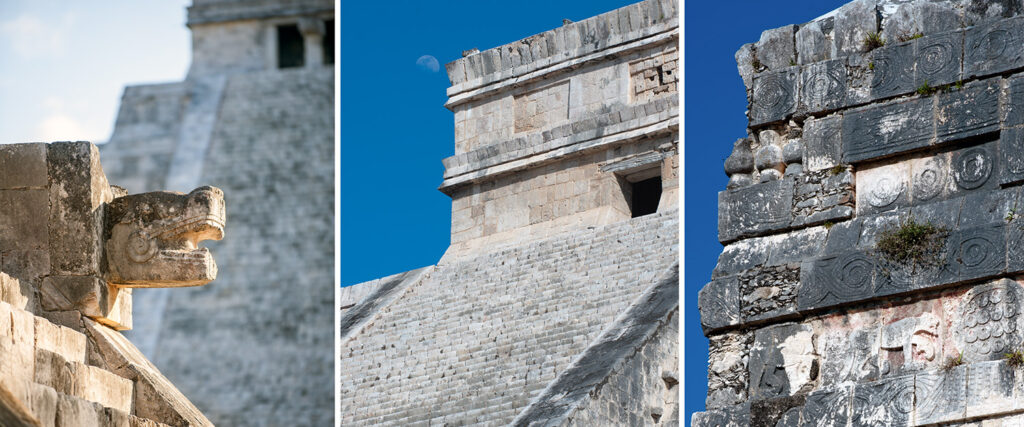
934 56
928 182
885 192
972 168
773 97
988 321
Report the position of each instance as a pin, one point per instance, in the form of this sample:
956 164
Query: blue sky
394 127
64 65
714 116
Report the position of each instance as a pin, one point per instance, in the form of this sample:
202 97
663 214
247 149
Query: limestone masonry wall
881 123
65 294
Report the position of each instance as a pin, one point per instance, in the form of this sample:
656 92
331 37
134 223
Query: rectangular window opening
644 196
328 42
291 50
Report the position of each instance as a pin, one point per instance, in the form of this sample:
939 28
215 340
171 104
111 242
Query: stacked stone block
63 360
809 322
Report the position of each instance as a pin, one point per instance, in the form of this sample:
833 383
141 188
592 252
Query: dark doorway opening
291 50
328 42
645 196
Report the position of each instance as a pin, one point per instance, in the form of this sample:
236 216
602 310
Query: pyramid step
83 381
67 342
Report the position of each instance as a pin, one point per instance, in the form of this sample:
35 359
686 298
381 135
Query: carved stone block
719 305
940 397
742 255
78 188
774 96
1013 108
782 361
977 252
971 111
154 238
827 408
893 70
929 179
883 188
993 48
755 209
910 344
1011 156
89 295
738 416
983 208
822 143
823 86
938 59
851 356
883 130
887 402
988 321
1015 251
777 412
836 279
22 166
989 388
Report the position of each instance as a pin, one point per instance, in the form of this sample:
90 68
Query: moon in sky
427 62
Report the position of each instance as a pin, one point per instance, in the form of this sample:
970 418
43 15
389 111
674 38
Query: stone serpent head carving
153 238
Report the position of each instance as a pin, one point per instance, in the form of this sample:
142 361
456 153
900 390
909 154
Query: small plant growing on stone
1011 215
959 85
908 37
912 243
953 361
925 89
756 63
871 65
828 225
837 169
873 41
792 62
1015 358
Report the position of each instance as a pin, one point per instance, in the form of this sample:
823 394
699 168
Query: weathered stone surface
740 164
774 95
988 322
919 18
985 208
827 407
89 295
941 396
993 47
78 188
1011 156
886 129
893 70
768 292
154 237
886 402
811 44
22 166
72 411
836 279
989 388
738 416
727 369
969 112
981 11
66 342
978 252
718 303
1013 108
782 361
20 227
883 188
849 356
853 22
823 86
755 209
13 413
742 255
776 48
777 412
938 57
745 64
930 179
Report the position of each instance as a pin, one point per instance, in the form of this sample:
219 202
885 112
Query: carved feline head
153 238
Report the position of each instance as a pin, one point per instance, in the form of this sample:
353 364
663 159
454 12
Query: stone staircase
46 366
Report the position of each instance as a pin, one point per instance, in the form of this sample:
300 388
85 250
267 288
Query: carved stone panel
1013 109
836 279
718 303
941 396
929 178
883 188
994 47
893 70
938 59
886 129
755 209
774 96
823 86
1015 233
989 388
888 402
849 356
782 361
977 252
910 344
827 408
988 321
1011 156
973 167
971 111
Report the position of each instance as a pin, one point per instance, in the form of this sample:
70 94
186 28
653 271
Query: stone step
74 411
83 381
67 342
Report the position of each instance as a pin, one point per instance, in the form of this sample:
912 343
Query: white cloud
31 37
62 127
428 62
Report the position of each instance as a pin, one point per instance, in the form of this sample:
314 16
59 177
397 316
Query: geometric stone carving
755 209
851 356
993 47
823 86
977 252
837 279
886 402
929 177
154 238
971 111
718 303
893 70
829 407
823 145
941 396
886 129
989 388
1011 155
938 59
988 321
774 96
882 188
